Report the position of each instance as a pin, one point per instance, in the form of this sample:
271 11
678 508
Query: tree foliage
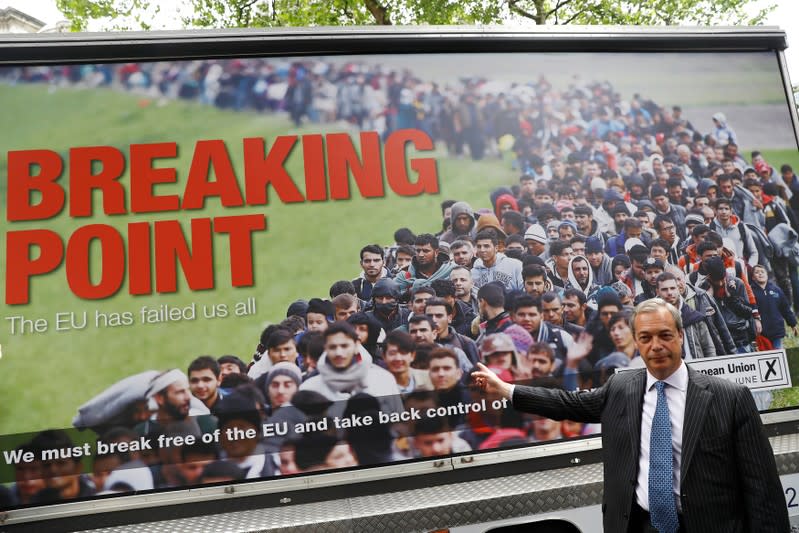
144 14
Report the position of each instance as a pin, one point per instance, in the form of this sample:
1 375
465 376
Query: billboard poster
219 270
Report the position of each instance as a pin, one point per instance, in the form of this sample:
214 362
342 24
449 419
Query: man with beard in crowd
204 381
169 392
462 223
462 253
581 276
464 287
586 225
575 307
462 314
372 263
424 331
527 314
552 312
441 312
536 281
428 265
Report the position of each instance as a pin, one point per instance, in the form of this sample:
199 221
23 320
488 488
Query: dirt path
757 126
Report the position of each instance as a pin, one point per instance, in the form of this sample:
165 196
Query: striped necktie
662 507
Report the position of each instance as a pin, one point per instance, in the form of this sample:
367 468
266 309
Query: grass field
44 377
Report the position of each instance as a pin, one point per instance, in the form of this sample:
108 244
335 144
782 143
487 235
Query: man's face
658 252
583 223
463 256
228 368
606 312
562 260
433 445
527 187
535 247
578 248
633 233
567 214
283 352
203 384
397 361
486 250
340 350
572 310
595 259
757 192
619 218
652 274
704 201
552 311
659 342
62 474
362 330
728 167
343 313
422 332
723 213
444 373
675 192
425 254
528 317
403 259
419 302
638 269
707 254
581 272
316 322
534 286
439 315
661 203
669 291
542 199
787 175
192 468
515 246
372 265
667 231
463 282
726 188
502 360
281 390
175 400
565 233
541 364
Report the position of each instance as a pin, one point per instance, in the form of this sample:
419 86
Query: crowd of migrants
617 202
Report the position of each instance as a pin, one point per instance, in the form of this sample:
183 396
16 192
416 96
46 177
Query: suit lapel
697 401
635 399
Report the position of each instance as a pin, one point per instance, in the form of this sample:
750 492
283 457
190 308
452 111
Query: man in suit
722 473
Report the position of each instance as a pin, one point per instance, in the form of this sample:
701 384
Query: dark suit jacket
728 476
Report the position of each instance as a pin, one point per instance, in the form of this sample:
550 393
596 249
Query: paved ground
757 126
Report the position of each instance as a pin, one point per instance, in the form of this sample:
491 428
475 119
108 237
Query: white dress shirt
676 389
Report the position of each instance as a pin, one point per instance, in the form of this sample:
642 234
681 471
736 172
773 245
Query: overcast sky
786 16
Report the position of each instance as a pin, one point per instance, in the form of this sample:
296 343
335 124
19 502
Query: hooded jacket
697 336
603 274
740 236
506 270
459 208
361 376
591 287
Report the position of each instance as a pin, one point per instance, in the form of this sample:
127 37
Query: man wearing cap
683 451
599 261
386 308
537 242
319 314
170 396
493 265
497 351
676 213
652 269
730 295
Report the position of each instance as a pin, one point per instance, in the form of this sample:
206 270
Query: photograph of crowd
618 199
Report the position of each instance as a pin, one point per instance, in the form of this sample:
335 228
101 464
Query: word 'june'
35 192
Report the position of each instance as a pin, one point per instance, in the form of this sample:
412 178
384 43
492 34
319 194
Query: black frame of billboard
186 45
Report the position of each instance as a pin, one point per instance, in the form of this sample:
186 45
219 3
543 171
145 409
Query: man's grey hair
655 305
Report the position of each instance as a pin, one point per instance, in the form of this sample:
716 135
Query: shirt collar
678 379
